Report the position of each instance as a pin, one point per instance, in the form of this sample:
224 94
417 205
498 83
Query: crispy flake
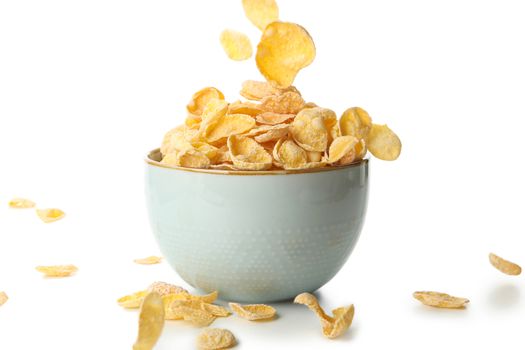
440 300
505 266
253 312
57 270
50 215
215 338
151 322
21 203
150 260
236 45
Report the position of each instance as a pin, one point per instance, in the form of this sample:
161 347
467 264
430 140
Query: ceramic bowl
256 236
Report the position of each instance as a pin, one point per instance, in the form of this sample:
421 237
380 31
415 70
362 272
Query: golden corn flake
285 48
356 122
314 157
192 158
57 270
271 118
309 131
215 338
21 203
208 150
150 260
290 155
163 288
151 322
132 301
3 298
223 166
504 266
213 111
261 12
201 98
247 154
333 326
289 102
440 300
271 133
383 143
253 312
190 311
192 120
236 45
257 90
229 124
185 296
249 108
215 310
174 140
50 215
340 147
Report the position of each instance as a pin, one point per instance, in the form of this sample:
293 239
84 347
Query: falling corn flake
57 270
333 326
285 48
440 300
21 203
50 215
3 298
236 45
150 260
215 338
261 12
505 266
253 312
151 322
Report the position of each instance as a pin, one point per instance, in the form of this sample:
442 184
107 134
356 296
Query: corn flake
201 98
229 124
383 143
50 215
236 45
341 147
57 270
190 311
271 118
21 203
440 300
247 154
163 288
3 298
289 102
309 131
285 48
261 12
132 301
356 122
151 322
290 155
253 312
271 133
215 338
505 266
333 326
150 260
249 108
257 90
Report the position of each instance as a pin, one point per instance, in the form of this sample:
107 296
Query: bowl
256 236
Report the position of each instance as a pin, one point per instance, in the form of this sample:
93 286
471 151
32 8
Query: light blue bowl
256 236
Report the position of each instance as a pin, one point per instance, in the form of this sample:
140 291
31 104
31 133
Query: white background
88 87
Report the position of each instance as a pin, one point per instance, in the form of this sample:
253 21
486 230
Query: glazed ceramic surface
259 237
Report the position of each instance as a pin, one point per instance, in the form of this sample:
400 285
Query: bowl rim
151 162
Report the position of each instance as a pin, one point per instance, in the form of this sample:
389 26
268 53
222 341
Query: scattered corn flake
271 118
208 298
228 125
151 322
215 310
163 288
341 147
57 270
236 45
150 260
3 298
190 310
261 12
440 300
356 122
309 131
215 338
50 214
289 102
21 203
201 98
132 301
383 143
247 154
285 48
253 312
333 326
505 266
